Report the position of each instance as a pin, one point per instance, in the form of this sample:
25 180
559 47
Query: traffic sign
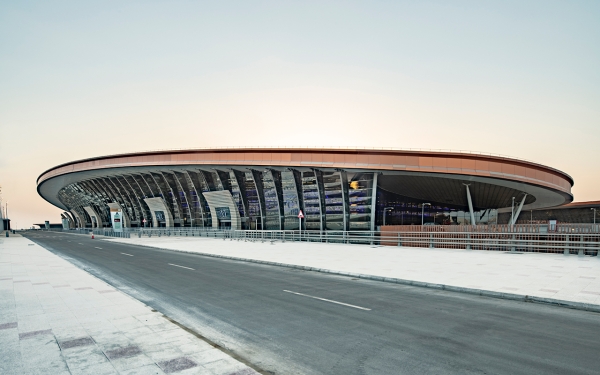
300 215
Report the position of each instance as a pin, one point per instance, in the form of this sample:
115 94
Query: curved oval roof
458 163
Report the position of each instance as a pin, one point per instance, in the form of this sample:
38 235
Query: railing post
581 251
566 251
468 241
431 240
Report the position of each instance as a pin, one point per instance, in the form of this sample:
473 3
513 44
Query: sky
81 78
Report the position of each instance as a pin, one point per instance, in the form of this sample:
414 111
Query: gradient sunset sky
80 79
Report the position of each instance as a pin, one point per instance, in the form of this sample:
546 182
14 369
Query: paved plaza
562 277
58 319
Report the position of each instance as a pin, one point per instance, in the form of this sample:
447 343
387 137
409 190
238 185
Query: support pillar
516 216
470 204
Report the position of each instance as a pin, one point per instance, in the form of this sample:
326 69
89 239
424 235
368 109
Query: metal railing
518 241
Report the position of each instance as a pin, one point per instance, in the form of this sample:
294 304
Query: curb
421 284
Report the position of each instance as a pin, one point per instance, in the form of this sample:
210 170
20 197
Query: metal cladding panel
158 204
223 198
90 211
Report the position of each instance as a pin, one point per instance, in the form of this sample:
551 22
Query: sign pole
300 216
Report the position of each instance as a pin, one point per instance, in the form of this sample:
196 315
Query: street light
423 211
594 217
384 211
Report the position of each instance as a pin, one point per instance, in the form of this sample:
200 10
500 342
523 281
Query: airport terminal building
336 189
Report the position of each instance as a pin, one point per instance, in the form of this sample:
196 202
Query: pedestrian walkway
57 319
561 277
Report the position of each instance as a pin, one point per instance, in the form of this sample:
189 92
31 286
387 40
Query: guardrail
566 243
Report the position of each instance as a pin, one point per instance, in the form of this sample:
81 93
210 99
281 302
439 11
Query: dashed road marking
176 265
327 300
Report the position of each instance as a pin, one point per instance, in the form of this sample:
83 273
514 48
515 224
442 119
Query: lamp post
385 209
594 216
423 211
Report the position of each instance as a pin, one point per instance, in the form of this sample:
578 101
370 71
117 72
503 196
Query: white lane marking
127 254
175 265
96 247
79 243
327 300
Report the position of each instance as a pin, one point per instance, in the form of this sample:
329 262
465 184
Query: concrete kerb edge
421 284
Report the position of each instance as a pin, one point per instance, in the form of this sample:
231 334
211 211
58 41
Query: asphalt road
268 316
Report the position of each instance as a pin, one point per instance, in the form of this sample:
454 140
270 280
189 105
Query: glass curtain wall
312 191
291 199
273 218
254 209
360 196
336 188
238 197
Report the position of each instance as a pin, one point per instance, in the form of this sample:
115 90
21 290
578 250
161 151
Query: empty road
286 321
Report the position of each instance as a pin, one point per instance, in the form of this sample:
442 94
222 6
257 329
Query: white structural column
223 198
374 201
470 205
79 222
158 204
514 218
117 207
90 211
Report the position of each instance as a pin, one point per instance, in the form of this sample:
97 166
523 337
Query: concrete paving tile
58 367
130 363
74 343
10 359
228 366
195 347
32 334
208 356
39 356
144 370
137 331
123 352
177 364
96 369
68 333
84 356
8 325
160 353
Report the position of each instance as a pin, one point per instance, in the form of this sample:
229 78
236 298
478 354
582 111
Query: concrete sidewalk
566 278
57 319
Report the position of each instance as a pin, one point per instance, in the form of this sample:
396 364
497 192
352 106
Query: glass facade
330 199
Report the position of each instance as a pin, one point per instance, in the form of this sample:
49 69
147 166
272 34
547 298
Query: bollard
92 235
6 233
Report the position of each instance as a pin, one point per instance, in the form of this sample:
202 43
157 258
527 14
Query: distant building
575 212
